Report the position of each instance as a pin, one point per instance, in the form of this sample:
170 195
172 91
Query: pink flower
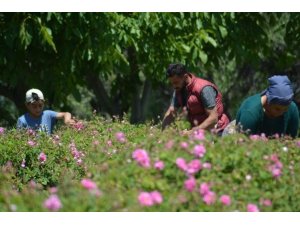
79 126
145 199
42 157
194 166
31 132
120 136
169 144
209 198
53 190
274 158
141 156
199 134
159 165
252 208
181 164
190 184
266 202
109 143
199 151
225 200
204 189
96 142
56 138
88 184
53 203
276 172
31 143
32 184
184 145
298 143
2 130
79 162
254 137
156 197
207 165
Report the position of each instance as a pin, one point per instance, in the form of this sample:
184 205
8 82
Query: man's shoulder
253 100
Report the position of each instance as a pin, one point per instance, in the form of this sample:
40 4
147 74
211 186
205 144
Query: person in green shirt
270 112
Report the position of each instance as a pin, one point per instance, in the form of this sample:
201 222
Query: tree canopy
120 58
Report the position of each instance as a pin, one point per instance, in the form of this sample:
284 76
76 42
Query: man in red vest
199 97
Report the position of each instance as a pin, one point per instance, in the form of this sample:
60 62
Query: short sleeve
19 124
208 97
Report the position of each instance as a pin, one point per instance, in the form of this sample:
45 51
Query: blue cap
280 90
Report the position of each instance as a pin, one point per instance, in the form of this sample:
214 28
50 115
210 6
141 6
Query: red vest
196 111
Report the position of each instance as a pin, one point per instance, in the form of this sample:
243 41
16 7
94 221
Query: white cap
33 95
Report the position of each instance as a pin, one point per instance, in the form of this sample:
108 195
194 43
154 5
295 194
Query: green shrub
240 167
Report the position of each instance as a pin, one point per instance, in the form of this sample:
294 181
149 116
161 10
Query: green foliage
111 53
240 168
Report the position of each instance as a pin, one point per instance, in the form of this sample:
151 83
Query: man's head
279 95
34 102
177 75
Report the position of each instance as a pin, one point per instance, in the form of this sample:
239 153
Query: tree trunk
103 102
145 100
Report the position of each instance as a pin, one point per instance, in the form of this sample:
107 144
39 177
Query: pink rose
209 198
184 145
204 188
120 136
159 165
88 184
199 151
42 157
53 203
252 208
225 200
142 158
194 166
190 184
145 199
181 164
156 197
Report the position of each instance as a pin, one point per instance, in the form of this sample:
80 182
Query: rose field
102 165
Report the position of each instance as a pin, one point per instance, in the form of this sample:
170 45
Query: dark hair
177 69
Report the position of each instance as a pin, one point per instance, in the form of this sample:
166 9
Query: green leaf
203 56
185 47
223 31
212 41
24 36
47 37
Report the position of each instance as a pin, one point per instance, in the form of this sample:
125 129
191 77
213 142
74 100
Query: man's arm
169 117
66 116
210 121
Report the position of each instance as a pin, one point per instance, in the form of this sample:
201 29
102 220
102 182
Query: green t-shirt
252 117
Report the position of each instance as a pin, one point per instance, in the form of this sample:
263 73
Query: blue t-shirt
44 123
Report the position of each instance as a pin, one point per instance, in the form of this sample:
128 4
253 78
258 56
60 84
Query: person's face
35 109
274 110
178 82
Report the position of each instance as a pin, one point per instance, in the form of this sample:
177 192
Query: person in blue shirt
39 119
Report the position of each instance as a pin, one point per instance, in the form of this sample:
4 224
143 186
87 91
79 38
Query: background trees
115 62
